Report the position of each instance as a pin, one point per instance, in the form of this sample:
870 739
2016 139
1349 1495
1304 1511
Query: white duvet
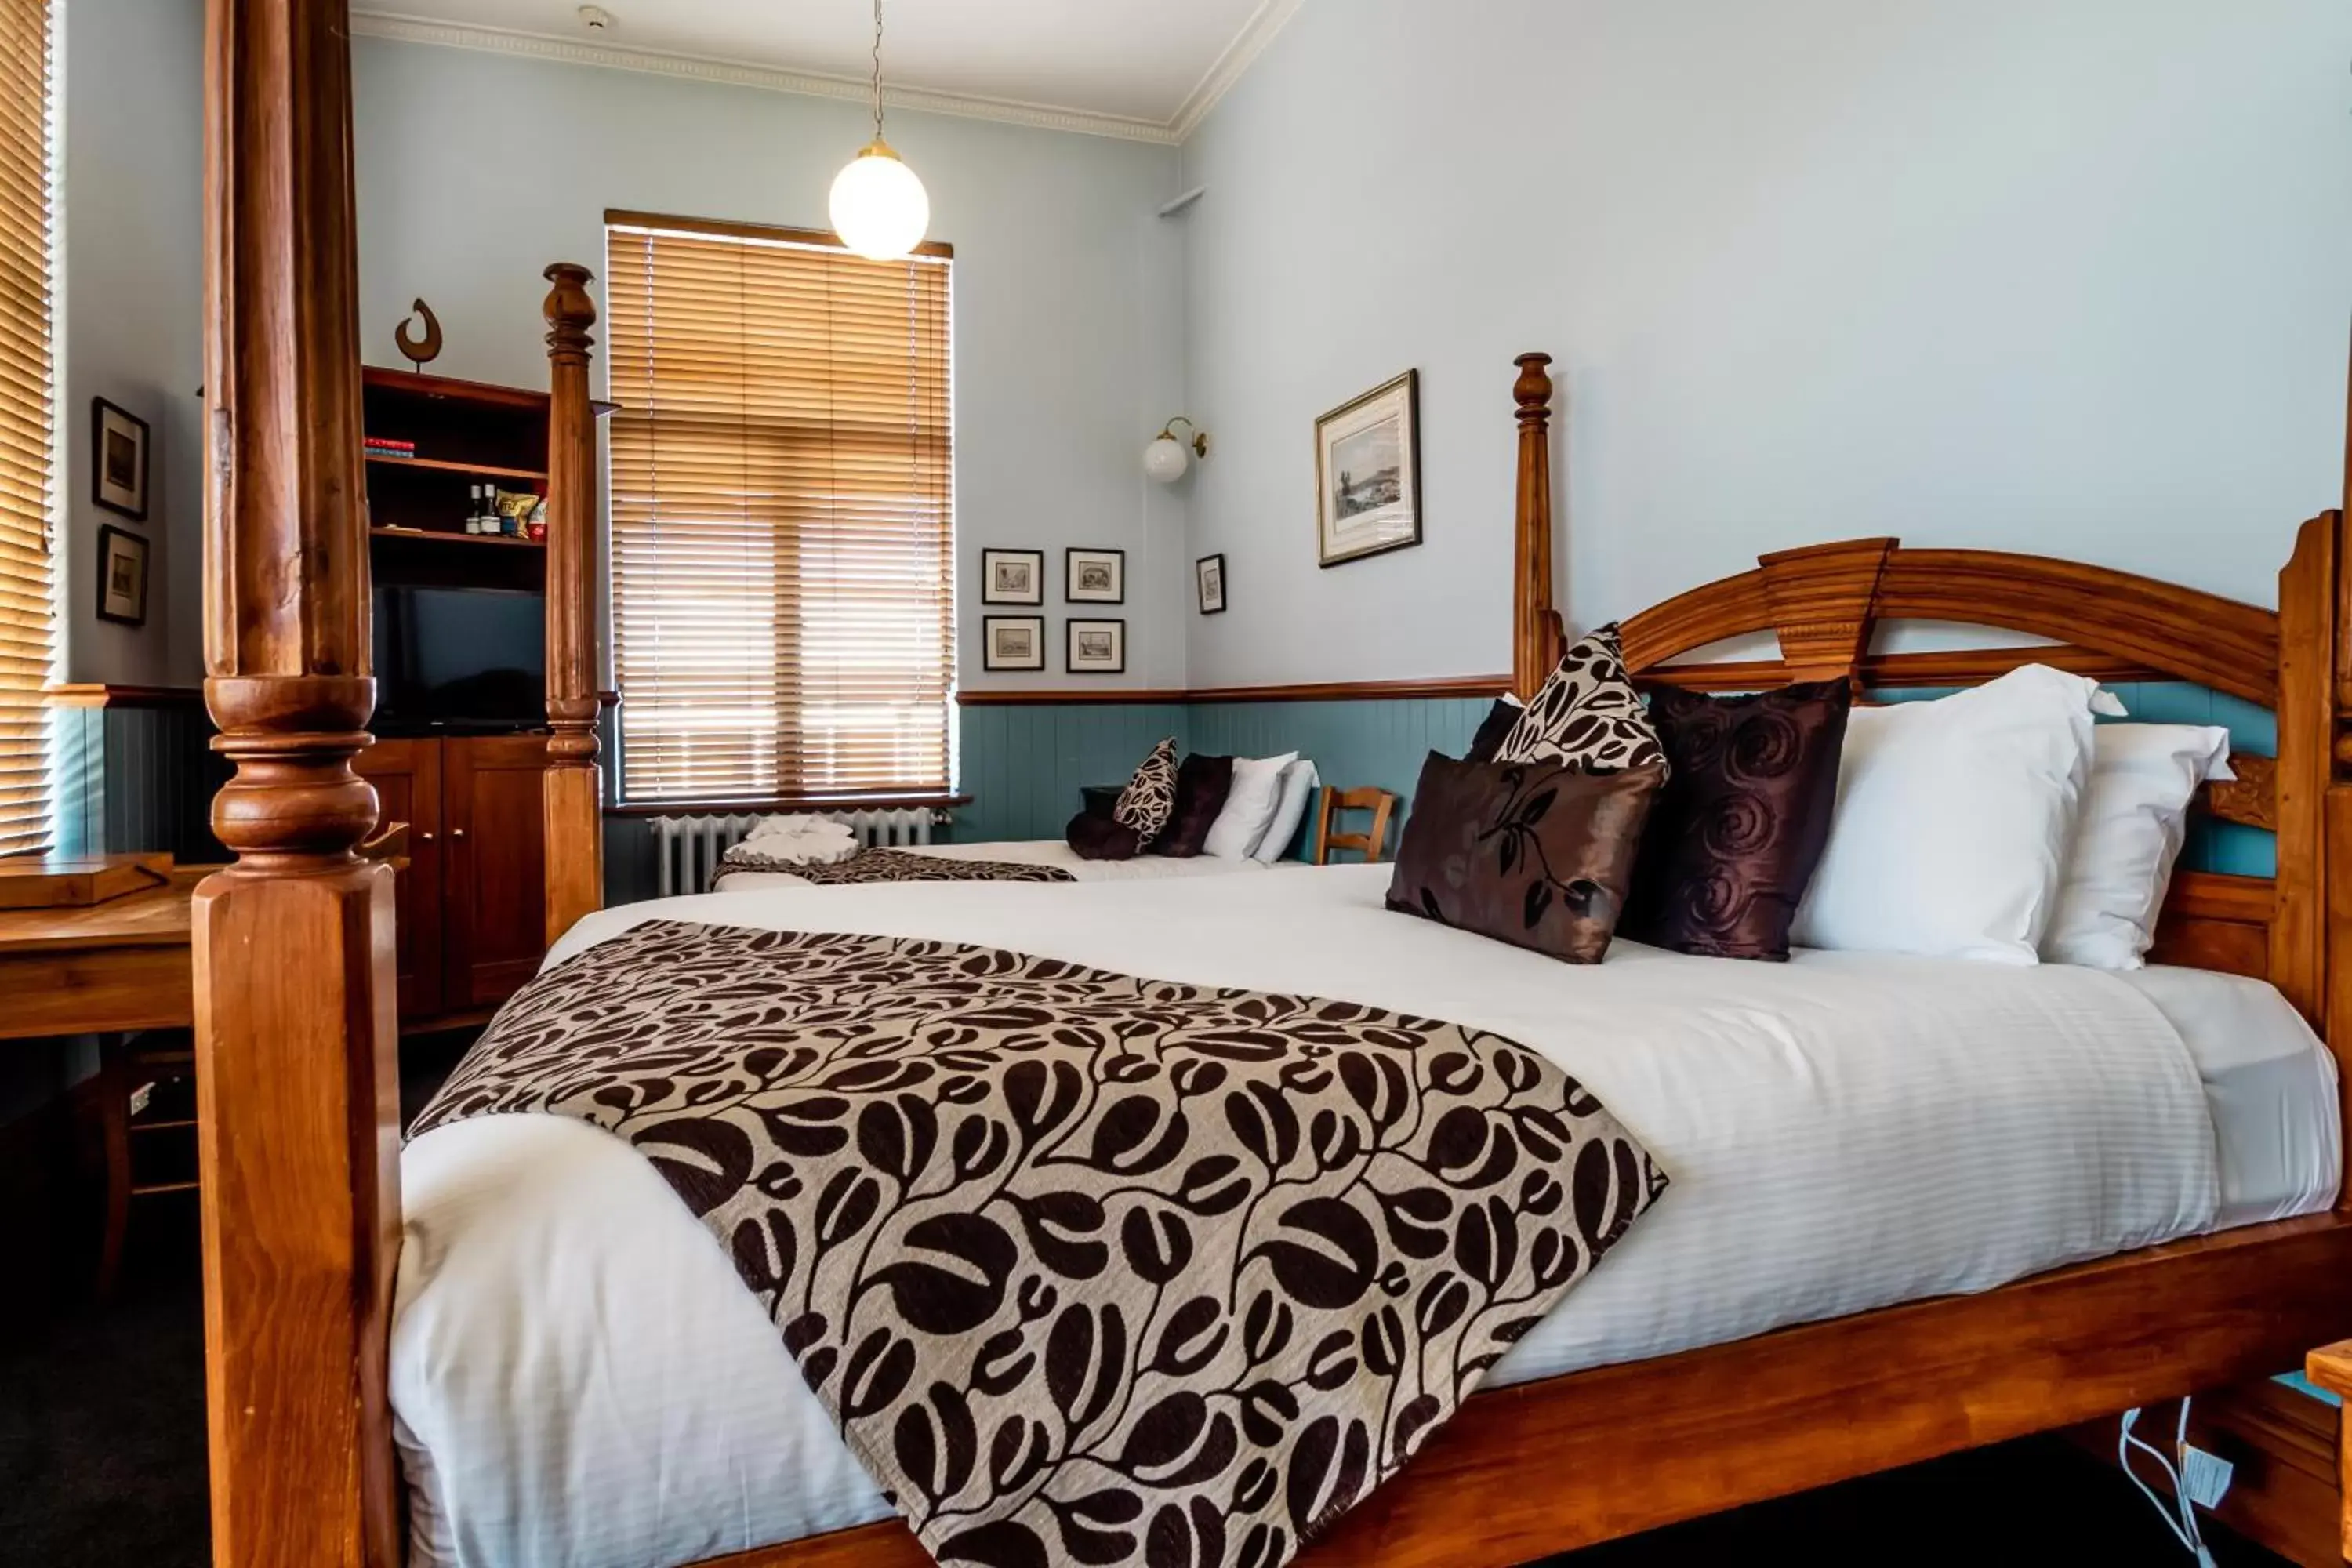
581 1380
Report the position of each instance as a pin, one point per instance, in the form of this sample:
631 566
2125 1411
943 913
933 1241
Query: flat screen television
465 659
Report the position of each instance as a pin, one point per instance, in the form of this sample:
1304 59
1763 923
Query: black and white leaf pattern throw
1149 798
1086 1268
1587 714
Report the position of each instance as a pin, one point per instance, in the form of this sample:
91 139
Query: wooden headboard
1821 603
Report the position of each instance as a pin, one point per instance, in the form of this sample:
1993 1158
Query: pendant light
878 207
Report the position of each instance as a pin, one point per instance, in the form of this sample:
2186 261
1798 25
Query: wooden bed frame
293 947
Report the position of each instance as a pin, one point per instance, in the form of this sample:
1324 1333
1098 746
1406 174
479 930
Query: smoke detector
595 18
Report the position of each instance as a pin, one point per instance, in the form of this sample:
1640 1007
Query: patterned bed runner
1086 1268
889 866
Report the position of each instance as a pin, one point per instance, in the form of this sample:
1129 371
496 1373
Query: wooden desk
119 966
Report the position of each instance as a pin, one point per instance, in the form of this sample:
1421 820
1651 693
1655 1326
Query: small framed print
1013 642
1368 473
1012 577
1097 648
118 459
1209 583
122 576
1094 576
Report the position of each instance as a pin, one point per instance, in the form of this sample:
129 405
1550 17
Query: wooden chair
1379 801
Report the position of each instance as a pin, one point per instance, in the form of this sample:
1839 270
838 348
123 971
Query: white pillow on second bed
1953 820
1250 806
1300 782
2134 816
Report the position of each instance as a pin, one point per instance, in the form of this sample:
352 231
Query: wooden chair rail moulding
104 696
1440 686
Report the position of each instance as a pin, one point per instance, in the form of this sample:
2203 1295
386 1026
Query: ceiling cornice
1228 68
1260 27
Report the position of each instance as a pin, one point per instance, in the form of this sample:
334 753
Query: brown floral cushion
1742 821
1535 854
1201 786
1586 714
1149 798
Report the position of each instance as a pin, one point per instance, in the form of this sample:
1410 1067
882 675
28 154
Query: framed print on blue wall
1368 473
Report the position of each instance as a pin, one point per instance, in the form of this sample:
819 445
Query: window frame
622 221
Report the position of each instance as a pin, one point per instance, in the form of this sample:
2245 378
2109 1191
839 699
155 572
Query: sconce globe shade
1164 459
879 209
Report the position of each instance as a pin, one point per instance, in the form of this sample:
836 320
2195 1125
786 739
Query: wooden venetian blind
782 520
25 601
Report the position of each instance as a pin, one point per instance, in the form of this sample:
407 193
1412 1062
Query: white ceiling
1140 68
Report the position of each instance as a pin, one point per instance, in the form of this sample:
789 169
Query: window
25 455
782 513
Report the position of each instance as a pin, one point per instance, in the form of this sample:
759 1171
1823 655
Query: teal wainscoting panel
137 778
1023 766
1380 742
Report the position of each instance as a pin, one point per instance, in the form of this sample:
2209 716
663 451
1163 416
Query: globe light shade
879 209
1164 459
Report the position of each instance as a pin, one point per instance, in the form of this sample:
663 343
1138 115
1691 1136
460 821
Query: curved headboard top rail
1823 600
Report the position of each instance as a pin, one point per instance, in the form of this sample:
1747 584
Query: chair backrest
1379 801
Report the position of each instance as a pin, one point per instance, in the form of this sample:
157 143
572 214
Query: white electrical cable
2180 1517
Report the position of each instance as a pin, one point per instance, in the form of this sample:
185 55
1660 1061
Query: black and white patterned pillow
1587 715
1149 798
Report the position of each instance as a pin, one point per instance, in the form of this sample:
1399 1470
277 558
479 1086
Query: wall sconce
1164 459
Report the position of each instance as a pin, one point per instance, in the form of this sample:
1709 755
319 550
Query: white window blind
25 603
781 527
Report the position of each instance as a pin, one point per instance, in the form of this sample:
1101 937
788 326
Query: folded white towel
810 840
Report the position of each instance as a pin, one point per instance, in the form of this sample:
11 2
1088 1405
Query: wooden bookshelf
466 432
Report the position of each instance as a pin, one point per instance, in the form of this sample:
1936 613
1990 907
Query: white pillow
1953 818
2135 813
1300 782
1249 806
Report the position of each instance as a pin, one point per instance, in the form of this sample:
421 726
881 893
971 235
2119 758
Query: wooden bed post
574 795
1537 640
297 1086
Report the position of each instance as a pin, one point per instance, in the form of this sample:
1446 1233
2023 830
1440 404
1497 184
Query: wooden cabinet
471 902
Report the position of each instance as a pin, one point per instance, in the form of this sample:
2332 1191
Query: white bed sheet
581 1380
1030 852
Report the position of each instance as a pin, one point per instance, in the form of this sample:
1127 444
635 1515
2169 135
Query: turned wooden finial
570 313
573 787
1533 389
1537 635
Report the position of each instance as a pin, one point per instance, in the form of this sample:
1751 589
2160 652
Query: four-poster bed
293 949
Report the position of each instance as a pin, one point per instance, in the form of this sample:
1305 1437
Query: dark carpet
103 1459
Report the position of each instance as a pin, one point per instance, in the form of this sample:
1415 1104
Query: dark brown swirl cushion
1742 821
1201 784
1535 854
1149 798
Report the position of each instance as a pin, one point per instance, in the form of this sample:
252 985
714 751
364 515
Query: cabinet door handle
425 838
456 833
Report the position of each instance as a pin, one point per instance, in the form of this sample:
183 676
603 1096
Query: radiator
688 847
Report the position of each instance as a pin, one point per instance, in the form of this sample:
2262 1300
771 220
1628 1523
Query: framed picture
122 576
1097 648
1094 576
1013 642
1368 473
1209 583
1012 577
118 459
